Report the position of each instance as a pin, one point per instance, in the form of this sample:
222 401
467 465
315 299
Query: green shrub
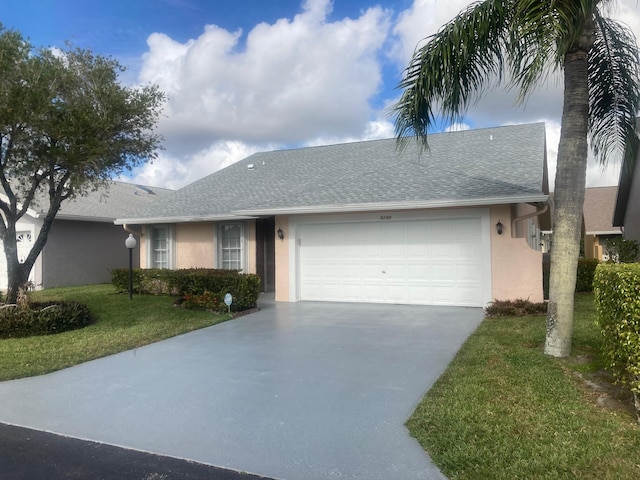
586 271
42 319
617 293
244 288
514 308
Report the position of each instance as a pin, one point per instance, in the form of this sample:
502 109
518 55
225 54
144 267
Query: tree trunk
568 204
17 273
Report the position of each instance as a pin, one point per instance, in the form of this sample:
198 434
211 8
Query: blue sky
257 75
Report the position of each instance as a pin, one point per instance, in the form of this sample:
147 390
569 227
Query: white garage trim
446 270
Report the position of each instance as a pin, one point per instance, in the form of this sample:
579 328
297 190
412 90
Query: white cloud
287 82
457 127
308 80
172 172
424 18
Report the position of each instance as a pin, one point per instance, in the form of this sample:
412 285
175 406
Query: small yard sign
227 301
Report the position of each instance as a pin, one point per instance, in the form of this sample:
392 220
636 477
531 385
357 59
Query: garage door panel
467 273
420 261
444 295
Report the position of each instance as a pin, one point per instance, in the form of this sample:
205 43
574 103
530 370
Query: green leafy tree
67 126
525 40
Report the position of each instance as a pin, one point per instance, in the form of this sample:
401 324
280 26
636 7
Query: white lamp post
130 243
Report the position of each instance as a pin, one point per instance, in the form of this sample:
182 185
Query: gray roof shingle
118 199
599 204
499 165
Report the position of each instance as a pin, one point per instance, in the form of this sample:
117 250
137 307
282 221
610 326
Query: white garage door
429 262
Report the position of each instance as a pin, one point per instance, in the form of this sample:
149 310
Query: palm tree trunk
568 203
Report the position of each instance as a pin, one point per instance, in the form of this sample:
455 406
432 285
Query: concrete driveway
296 391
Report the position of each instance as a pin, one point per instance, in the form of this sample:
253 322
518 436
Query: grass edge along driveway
504 410
120 324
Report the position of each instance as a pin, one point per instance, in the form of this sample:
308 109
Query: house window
535 241
24 243
231 246
161 250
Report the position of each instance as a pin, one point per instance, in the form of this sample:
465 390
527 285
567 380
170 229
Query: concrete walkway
295 391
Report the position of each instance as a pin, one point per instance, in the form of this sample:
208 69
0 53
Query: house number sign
385 217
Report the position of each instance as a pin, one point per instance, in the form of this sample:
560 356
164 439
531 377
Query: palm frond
614 88
453 68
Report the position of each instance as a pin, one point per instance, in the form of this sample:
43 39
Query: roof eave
180 219
615 231
84 218
474 202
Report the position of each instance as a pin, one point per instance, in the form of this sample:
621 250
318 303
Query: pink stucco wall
195 246
251 246
282 259
516 269
142 242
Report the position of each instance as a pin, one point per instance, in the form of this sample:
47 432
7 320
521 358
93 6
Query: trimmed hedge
42 319
617 292
244 288
586 271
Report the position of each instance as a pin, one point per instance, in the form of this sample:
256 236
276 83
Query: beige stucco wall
195 245
251 246
282 259
516 269
142 242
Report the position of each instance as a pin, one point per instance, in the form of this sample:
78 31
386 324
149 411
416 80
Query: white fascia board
31 212
84 218
606 232
180 219
541 198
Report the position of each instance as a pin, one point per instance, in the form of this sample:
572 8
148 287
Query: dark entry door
266 253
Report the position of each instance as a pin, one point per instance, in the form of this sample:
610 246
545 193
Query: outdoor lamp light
280 234
130 243
499 227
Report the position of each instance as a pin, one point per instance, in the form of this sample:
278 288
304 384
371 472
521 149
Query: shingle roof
118 199
499 165
599 204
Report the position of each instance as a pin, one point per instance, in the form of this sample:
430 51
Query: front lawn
504 410
121 324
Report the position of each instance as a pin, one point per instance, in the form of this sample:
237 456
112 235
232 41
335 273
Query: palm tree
526 40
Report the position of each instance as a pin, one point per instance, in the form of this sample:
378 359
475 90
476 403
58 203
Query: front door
266 253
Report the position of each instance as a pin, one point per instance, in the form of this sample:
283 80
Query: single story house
456 224
627 210
83 244
599 205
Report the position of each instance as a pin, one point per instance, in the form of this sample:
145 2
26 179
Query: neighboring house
457 224
83 243
627 211
599 204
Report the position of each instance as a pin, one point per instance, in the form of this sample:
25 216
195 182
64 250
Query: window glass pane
160 242
231 252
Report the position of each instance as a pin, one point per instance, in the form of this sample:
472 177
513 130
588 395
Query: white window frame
170 248
243 246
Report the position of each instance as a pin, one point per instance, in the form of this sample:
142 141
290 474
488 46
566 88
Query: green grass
504 410
121 324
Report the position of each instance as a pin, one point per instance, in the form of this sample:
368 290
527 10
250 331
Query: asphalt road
27 454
